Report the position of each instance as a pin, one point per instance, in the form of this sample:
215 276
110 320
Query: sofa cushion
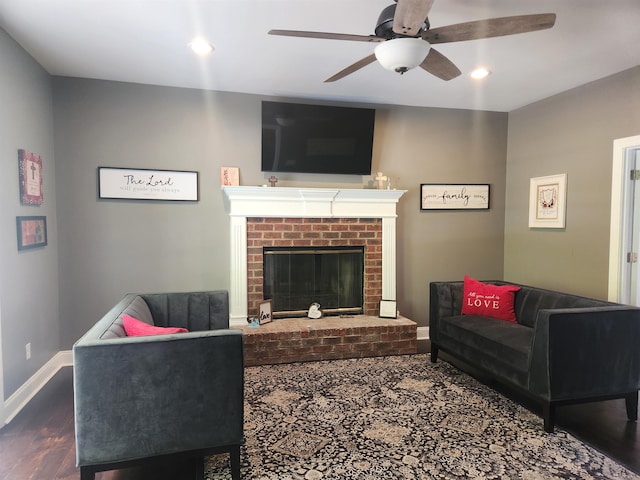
136 328
495 301
530 300
506 343
196 311
133 305
138 308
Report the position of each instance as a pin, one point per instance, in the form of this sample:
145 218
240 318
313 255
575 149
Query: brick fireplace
315 232
285 216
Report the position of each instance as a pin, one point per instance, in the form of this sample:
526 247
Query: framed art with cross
30 167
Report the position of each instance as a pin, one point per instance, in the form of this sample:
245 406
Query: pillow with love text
488 300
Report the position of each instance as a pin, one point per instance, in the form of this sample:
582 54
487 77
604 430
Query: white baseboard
28 390
423 333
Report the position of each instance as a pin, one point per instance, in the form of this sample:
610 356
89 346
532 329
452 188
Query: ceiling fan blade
352 68
325 35
493 27
410 15
437 64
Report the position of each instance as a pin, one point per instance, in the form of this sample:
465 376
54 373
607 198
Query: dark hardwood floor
39 443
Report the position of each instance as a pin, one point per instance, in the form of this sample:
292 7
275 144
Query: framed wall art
30 167
388 309
264 312
547 201
229 176
145 184
32 232
451 196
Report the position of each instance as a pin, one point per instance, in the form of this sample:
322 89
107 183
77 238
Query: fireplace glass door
296 277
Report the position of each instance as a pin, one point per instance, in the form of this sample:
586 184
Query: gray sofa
563 349
159 397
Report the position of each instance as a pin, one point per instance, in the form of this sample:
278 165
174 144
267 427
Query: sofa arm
137 397
445 300
585 352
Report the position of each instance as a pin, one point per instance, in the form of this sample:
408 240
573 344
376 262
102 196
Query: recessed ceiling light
480 73
200 46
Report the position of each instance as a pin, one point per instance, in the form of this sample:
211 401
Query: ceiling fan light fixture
200 46
401 54
480 73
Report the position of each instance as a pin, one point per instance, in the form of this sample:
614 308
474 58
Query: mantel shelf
305 202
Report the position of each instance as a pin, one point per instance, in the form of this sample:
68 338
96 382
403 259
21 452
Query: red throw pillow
488 300
136 328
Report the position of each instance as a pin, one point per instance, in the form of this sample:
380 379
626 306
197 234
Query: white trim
238 310
3 410
617 211
389 258
423 333
311 202
31 387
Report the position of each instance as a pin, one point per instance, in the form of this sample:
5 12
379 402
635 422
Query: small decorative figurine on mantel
314 311
381 179
272 180
253 322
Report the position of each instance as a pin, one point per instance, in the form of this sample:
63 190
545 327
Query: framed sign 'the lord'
144 184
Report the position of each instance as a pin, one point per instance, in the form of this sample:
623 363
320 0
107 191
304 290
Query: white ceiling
145 41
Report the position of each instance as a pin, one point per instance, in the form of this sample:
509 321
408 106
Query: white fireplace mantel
244 202
311 202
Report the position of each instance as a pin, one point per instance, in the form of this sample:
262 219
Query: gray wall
443 146
28 279
570 133
111 247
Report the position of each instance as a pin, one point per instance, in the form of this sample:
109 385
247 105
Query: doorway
624 244
3 415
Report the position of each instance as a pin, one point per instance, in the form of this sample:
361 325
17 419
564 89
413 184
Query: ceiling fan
404 36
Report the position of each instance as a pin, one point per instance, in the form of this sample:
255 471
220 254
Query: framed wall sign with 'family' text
447 196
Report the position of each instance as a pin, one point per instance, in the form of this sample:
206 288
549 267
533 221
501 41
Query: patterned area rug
398 417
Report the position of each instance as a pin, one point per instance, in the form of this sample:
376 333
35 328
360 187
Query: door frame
618 242
3 411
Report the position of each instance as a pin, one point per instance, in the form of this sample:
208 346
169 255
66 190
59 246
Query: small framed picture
547 201
229 176
30 166
388 309
32 232
265 312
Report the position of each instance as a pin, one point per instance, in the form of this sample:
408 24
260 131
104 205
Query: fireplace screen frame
342 297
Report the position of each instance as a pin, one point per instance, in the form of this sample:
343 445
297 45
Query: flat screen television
316 138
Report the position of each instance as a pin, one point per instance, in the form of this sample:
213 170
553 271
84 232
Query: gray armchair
155 397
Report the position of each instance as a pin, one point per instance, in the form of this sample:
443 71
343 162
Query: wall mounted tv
316 138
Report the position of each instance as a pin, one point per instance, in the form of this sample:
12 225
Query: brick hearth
329 338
